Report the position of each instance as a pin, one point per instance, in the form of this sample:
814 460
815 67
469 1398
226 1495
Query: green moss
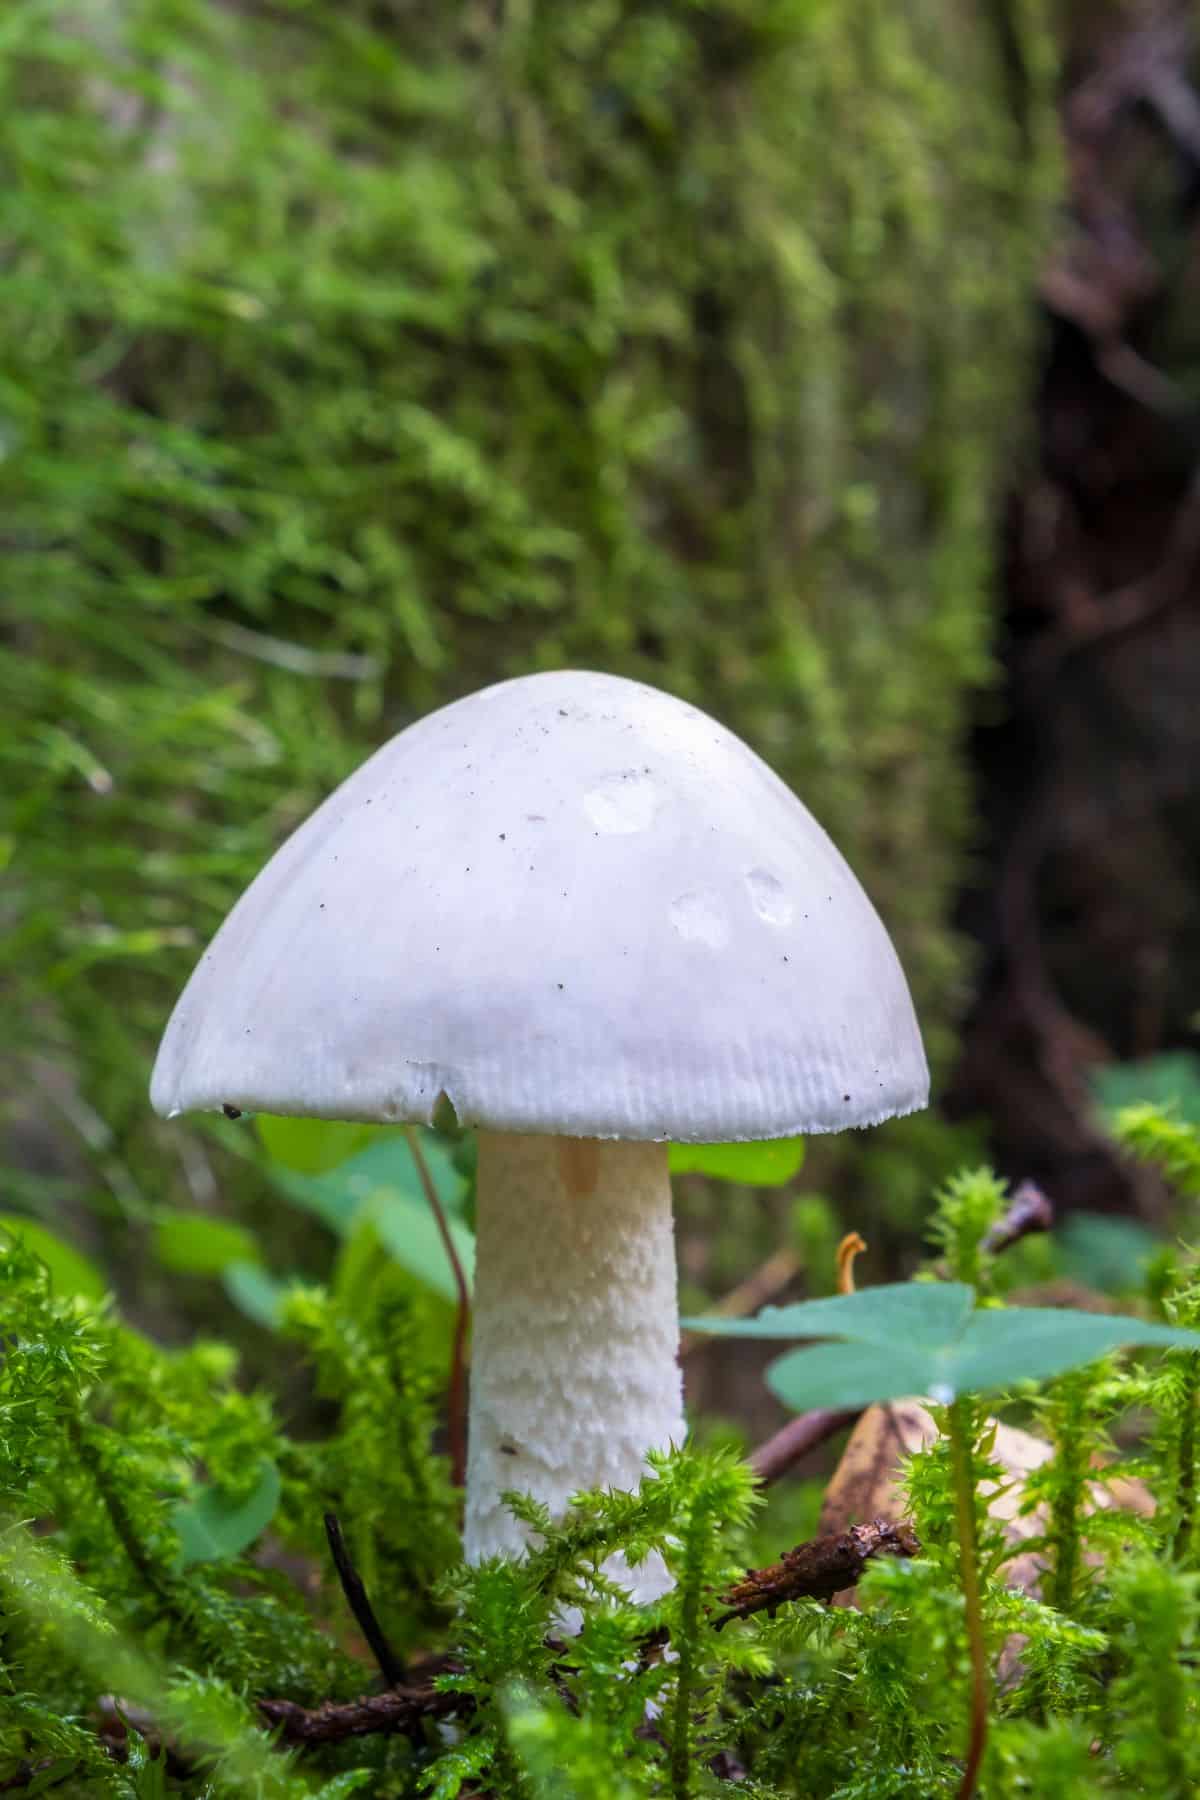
351 363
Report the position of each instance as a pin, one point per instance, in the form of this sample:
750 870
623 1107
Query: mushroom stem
575 1372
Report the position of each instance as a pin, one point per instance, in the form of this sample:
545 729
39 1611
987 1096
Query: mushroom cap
571 904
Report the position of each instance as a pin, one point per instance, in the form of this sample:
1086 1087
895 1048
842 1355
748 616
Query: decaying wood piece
866 1484
819 1569
399 1709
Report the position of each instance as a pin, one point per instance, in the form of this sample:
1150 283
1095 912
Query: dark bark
1089 768
818 1570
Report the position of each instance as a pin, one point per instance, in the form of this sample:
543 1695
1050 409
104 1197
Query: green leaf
1031 1343
995 1350
200 1244
767 1164
927 1338
851 1375
1171 1081
50 1776
331 1198
70 1271
389 1163
212 1527
260 1296
314 1146
897 1314
409 1232
350 1781
337 1196
359 1260
1104 1252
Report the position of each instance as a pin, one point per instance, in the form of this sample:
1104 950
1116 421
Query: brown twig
390 1666
795 1439
817 1570
456 1411
401 1709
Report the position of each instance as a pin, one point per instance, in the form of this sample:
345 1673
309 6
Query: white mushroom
595 921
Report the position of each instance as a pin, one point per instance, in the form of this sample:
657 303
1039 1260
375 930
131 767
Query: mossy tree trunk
357 355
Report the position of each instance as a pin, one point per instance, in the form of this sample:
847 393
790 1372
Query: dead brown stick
760 1286
818 1569
795 1439
400 1709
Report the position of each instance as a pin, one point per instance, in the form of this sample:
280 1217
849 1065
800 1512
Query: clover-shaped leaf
929 1338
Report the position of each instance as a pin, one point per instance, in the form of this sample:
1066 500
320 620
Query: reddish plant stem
456 1408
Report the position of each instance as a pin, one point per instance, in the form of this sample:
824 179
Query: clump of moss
169 1623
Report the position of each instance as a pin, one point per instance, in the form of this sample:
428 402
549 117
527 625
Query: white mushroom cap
572 904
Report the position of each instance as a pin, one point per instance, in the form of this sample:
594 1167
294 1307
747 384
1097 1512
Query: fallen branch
819 1569
795 1439
400 1709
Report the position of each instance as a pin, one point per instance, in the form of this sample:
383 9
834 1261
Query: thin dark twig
760 1286
401 1709
390 1666
795 1439
456 1411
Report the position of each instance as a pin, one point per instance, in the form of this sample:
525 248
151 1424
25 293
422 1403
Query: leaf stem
959 1432
456 1411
